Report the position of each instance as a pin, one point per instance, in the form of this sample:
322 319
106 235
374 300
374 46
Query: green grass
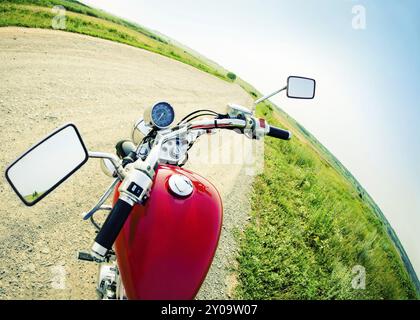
32 197
309 228
312 222
85 20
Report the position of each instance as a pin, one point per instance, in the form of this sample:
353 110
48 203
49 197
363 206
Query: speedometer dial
162 115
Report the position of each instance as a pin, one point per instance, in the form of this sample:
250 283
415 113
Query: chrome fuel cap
180 185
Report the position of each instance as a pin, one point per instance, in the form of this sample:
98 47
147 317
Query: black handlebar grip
113 224
279 133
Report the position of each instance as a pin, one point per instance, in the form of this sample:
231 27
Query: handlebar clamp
256 128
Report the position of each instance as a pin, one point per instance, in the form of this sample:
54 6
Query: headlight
140 130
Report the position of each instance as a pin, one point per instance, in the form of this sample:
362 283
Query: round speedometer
161 115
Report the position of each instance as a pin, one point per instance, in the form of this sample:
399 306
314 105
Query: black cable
94 223
200 115
149 138
197 111
185 161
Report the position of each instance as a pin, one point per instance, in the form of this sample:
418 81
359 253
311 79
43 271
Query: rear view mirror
300 88
46 165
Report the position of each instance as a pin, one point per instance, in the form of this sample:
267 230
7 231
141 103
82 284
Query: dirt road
48 78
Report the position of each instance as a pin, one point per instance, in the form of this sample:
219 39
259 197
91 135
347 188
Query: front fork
109 284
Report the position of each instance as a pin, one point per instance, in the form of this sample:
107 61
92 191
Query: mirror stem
101 201
268 96
103 155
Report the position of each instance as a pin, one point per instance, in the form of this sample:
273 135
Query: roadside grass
309 228
311 221
32 197
84 20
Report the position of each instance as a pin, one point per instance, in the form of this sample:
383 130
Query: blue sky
366 110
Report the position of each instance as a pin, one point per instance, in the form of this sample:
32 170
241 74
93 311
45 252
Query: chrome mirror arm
102 199
112 158
268 96
103 155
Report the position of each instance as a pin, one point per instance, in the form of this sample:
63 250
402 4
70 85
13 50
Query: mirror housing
47 164
297 88
300 87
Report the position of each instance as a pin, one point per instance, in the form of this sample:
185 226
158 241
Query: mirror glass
300 88
47 164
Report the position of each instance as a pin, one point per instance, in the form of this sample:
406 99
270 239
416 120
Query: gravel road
49 78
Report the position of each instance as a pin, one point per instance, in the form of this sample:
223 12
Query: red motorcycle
162 231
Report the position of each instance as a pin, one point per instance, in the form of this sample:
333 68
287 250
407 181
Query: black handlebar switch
135 189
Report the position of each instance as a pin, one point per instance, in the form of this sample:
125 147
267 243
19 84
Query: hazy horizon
365 109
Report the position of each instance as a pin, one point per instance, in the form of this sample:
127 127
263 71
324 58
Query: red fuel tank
166 247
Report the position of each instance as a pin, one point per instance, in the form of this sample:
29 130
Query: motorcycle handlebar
227 123
238 123
279 133
112 226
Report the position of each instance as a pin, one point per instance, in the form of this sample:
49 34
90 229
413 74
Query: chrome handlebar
218 124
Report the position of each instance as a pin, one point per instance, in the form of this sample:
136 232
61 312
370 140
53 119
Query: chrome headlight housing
140 130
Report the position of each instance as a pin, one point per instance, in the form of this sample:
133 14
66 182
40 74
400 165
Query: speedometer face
162 115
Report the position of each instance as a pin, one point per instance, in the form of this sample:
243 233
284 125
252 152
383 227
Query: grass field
309 228
312 222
